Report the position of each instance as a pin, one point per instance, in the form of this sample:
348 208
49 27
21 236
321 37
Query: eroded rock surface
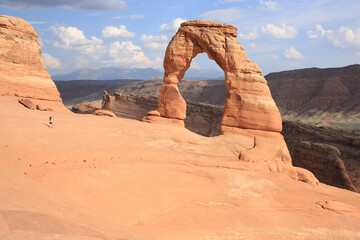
325 162
248 102
22 70
84 108
27 103
347 142
106 113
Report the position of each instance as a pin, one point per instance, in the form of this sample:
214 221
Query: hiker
50 121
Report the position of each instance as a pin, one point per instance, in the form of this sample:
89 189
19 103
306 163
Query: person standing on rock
51 123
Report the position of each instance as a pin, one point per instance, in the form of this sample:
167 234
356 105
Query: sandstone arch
248 104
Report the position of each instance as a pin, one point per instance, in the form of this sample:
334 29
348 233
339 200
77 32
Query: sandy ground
94 177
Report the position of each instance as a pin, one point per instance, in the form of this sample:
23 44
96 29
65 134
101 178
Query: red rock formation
248 102
22 70
249 108
171 103
347 142
84 108
106 113
107 100
325 162
27 103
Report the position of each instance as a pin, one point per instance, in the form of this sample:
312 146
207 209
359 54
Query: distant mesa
22 70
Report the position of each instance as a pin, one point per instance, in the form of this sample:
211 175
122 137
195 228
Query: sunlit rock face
22 69
248 102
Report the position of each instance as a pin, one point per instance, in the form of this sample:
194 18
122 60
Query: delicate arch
248 102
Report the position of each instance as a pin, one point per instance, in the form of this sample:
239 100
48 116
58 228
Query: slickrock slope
22 70
161 180
206 120
248 101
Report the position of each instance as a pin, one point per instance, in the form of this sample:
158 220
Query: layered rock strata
325 162
248 103
347 142
22 70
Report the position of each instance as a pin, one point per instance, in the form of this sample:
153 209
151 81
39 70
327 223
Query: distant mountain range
110 73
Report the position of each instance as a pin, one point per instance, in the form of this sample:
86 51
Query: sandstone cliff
22 70
324 161
348 143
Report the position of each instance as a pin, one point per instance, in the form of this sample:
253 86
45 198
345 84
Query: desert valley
246 157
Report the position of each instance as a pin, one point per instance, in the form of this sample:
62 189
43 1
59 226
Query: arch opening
203 90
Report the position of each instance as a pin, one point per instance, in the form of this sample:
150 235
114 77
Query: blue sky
276 34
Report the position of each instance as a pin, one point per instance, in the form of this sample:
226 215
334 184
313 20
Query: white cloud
51 62
252 45
222 15
268 5
155 45
71 38
128 54
292 53
321 33
93 52
156 38
282 32
135 16
351 36
117 32
172 26
194 64
108 5
250 36
270 31
275 57
36 22
158 42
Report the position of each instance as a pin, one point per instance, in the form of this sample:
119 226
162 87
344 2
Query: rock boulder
104 113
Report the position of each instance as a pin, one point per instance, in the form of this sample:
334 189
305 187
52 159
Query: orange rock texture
249 104
22 69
